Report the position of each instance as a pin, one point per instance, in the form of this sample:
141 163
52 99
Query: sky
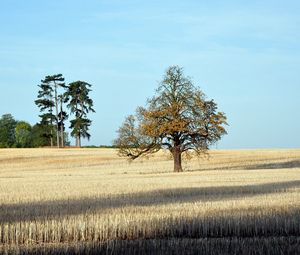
243 54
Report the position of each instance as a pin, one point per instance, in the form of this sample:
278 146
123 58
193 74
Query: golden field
90 201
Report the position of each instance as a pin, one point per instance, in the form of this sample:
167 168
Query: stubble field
90 201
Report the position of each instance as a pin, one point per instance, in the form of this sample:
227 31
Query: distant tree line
52 99
20 134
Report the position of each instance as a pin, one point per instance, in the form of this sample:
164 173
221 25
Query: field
90 201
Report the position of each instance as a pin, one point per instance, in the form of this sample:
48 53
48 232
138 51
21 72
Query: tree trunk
62 136
177 159
78 141
51 131
62 124
56 114
51 139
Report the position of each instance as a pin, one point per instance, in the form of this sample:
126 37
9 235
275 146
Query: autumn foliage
179 118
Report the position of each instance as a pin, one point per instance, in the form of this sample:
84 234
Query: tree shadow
256 166
275 165
53 209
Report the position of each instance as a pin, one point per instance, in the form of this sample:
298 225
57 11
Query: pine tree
62 117
46 104
80 104
48 98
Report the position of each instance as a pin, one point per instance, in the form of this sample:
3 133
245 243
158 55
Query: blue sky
244 54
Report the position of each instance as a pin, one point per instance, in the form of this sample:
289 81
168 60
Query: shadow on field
278 165
218 246
52 209
248 165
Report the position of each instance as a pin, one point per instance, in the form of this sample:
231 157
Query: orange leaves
178 116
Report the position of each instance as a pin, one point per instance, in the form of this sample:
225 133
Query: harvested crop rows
89 201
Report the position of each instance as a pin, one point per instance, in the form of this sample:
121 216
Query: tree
46 104
23 135
49 98
7 131
80 104
40 136
62 117
178 118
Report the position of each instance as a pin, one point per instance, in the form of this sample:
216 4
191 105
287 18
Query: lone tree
80 104
178 118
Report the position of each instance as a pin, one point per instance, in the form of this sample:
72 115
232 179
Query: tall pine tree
80 104
45 101
62 117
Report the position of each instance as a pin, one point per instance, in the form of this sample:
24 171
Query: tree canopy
23 134
7 131
178 117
